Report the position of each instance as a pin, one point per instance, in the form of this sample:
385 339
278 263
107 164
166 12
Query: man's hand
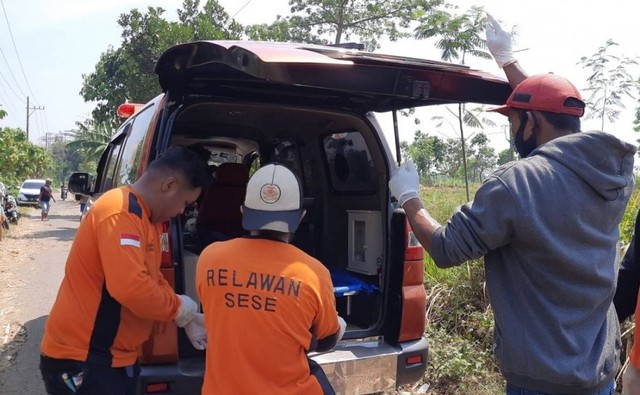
499 42
196 332
405 182
187 311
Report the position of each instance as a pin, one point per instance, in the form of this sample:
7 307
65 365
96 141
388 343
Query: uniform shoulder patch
129 239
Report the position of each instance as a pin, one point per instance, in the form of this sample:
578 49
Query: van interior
343 171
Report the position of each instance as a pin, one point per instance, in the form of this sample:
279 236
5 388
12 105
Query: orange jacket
112 290
264 303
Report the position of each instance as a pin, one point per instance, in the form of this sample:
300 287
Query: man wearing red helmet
548 227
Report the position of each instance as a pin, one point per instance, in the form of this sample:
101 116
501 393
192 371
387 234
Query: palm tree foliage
90 138
457 36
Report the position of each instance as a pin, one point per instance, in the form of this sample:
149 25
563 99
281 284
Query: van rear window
350 165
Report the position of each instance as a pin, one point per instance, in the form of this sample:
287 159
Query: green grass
460 319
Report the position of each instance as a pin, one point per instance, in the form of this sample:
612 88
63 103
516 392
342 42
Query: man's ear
532 123
534 118
168 184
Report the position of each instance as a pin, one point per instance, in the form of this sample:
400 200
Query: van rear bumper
353 367
364 367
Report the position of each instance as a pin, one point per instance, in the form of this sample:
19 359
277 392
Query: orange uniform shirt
112 290
262 301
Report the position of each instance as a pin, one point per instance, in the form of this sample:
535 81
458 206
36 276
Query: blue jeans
44 205
607 390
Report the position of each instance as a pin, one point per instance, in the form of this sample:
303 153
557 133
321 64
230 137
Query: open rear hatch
322 76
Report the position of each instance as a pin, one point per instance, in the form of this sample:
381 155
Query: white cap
273 200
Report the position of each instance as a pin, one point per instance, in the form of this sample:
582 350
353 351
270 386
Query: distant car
29 192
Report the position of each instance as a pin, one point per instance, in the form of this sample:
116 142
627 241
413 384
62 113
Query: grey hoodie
548 227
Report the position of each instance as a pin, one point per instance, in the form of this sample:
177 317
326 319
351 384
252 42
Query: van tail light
414 359
156 388
414 298
162 345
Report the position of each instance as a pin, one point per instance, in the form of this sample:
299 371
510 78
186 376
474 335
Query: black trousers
65 377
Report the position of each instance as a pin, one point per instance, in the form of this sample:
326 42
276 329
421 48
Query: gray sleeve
477 227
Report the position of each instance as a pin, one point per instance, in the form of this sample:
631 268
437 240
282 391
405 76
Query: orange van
244 104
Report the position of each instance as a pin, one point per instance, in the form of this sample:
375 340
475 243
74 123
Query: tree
505 156
63 165
127 73
212 23
3 113
609 83
452 163
331 21
20 159
427 152
457 37
482 156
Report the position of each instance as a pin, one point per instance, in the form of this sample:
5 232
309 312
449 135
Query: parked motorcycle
11 210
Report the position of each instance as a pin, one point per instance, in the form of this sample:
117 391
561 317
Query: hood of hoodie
602 160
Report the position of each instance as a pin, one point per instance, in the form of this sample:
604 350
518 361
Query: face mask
524 147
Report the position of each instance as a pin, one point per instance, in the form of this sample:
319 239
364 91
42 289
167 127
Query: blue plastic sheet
344 282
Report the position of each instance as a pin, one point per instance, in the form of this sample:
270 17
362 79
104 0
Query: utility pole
30 111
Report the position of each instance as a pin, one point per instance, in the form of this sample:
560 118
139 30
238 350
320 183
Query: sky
46 46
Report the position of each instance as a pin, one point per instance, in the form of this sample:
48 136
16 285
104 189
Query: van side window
110 158
286 153
349 162
132 152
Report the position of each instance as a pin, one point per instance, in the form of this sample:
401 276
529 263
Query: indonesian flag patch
129 239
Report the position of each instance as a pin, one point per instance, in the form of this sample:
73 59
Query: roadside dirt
17 248
14 251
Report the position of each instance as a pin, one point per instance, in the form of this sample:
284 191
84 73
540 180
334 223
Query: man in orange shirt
113 290
266 303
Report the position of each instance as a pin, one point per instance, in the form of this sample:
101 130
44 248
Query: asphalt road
38 277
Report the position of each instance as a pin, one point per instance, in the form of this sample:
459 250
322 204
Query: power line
44 128
46 122
11 108
16 49
11 72
6 100
38 130
10 88
241 8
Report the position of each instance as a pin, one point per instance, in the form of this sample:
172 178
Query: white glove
405 182
499 42
343 327
196 332
188 309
